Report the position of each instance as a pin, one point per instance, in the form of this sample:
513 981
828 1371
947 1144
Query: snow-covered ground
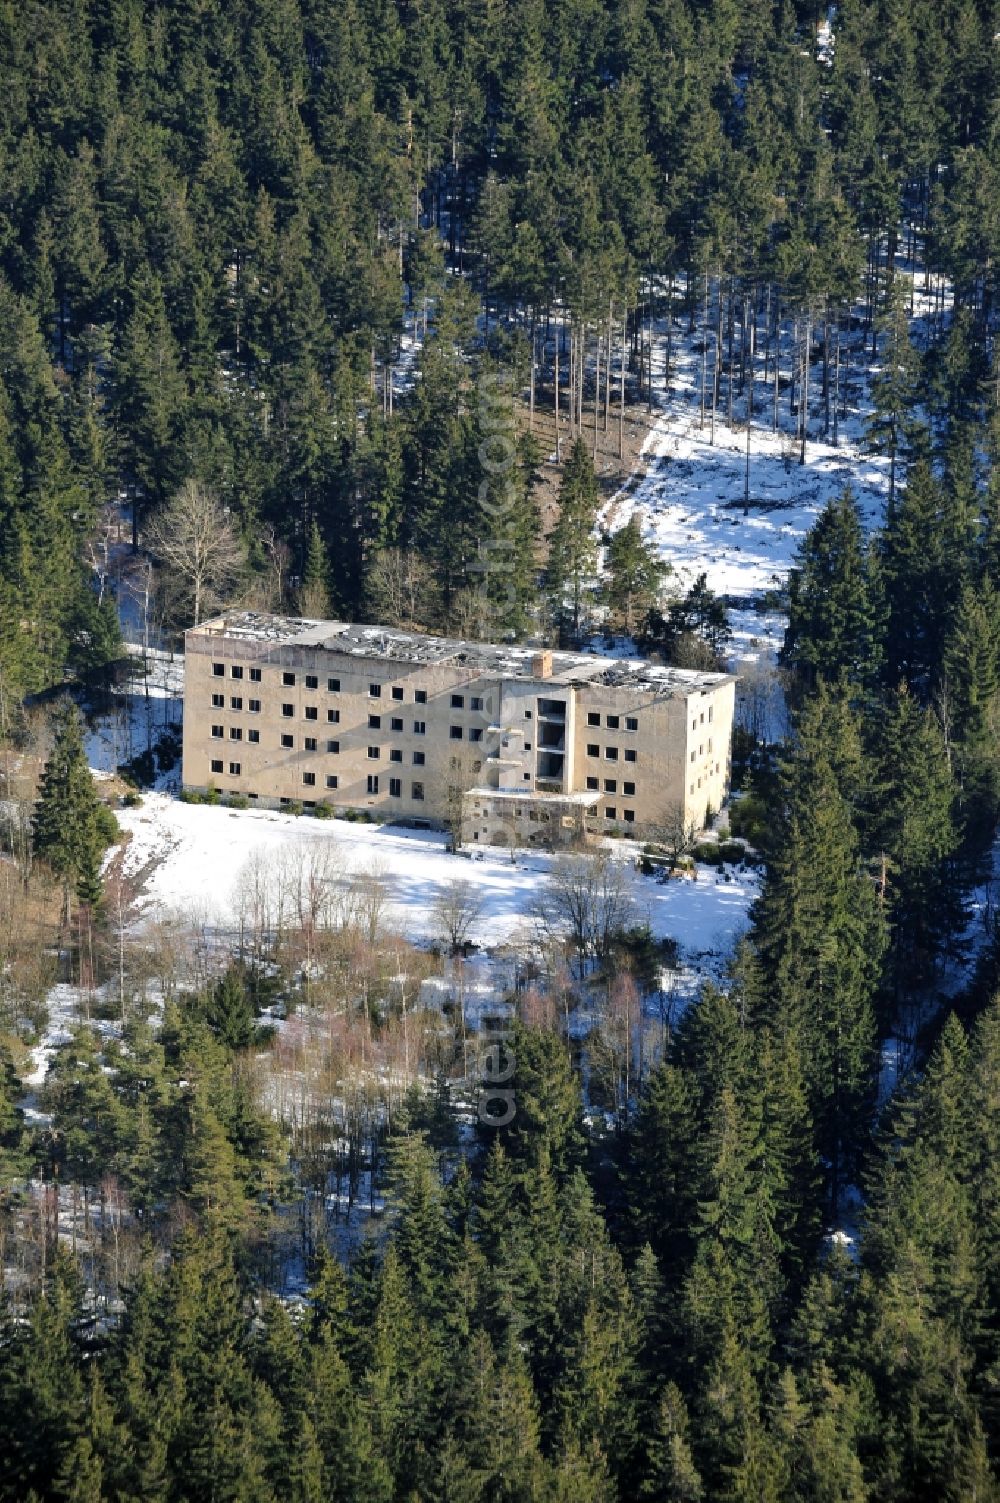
690 500
142 709
195 857
699 473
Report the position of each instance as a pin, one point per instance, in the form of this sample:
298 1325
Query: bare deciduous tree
369 897
457 908
402 589
675 832
196 539
588 900
447 783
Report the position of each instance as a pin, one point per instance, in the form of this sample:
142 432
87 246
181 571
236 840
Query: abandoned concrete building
504 745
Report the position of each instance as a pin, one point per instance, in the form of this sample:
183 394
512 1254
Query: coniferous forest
256 259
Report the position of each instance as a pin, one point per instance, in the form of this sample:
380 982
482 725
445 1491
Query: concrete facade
505 745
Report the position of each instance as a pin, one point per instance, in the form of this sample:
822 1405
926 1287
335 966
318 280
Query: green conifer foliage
314 593
71 827
912 829
830 619
820 933
572 556
634 576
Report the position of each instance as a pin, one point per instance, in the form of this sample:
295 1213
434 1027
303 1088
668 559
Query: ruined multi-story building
504 744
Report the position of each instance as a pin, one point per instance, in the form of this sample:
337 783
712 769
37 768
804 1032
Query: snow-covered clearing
690 500
193 856
712 503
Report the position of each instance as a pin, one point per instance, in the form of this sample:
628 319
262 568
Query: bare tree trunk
777 367
621 402
649 362
597 389
704 355
826 371
805 388
717 383
558 446
716 363
582 363
607 379
730 335
639 342
571 392
836 389
531 378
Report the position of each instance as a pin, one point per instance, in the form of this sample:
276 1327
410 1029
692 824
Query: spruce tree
71 827
895 384
969 697
830 621
572 553
634 576
919 592
314 591
912 834
820 934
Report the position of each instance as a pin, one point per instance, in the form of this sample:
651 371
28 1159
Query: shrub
106 825
237 801
168 748
140 771
131 801
322 811
748 818
294 806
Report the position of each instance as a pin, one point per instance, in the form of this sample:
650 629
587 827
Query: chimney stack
541 664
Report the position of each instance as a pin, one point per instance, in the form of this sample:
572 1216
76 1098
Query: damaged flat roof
387 643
